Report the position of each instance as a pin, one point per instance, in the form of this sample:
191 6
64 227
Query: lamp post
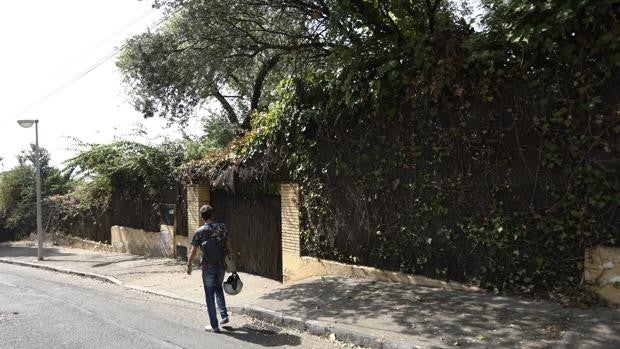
28 124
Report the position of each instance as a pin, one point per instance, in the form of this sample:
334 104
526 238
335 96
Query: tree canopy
17 190
234 52
491 152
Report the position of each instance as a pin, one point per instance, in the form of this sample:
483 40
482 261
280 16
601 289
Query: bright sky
46 43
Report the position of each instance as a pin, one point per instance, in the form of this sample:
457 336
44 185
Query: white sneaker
224 321
208 328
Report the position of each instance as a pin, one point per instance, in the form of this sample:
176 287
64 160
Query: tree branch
431 10
371 16
232 116
258 87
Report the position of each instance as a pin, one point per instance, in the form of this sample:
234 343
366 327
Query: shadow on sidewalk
31 252
430 313
261 336
128 259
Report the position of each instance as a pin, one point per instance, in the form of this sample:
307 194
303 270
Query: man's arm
190 259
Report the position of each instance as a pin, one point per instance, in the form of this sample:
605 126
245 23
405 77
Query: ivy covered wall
488 157
421 143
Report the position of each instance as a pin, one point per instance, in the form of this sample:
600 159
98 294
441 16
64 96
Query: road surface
43 309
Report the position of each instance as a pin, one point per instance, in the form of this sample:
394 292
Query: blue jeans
212 279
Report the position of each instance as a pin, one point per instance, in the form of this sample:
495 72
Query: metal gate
253 221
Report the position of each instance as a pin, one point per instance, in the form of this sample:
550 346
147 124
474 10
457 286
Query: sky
44 44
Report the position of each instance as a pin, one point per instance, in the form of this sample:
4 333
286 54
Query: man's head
206 212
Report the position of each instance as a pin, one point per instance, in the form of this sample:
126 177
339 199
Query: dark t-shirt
209 230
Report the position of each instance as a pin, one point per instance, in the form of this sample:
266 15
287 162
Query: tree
18 194
129 168
233 52
419 144
236 51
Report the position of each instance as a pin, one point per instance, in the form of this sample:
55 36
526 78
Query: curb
103 278
162 293
319 328
313 327
99 277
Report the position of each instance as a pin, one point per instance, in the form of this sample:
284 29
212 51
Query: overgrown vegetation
129 168
487 155
419 143
121 183
18 196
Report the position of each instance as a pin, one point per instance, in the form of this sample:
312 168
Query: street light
28 124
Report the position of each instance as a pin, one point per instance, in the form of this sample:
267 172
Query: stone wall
290 219
602 272
291 251
295 267
76 242
197 195
144 243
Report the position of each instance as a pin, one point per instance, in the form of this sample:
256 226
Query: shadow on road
261 336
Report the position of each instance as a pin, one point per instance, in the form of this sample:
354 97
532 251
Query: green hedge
488 157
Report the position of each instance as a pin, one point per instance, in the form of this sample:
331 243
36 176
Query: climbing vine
425 146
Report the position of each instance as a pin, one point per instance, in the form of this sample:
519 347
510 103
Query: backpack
213 249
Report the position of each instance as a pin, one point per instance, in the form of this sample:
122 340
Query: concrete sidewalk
363 312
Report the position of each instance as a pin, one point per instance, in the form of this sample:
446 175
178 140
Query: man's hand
190 259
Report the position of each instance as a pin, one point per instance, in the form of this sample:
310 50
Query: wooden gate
254 224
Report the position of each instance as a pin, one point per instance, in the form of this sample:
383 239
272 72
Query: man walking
213 240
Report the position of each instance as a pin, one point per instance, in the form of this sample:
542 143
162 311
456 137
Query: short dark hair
206 212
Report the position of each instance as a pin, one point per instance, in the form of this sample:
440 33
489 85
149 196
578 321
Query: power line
116 34
85 72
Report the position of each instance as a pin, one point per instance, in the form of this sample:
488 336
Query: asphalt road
42 309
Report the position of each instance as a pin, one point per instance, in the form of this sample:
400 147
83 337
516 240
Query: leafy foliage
218 134
129 168
220 50
18 193
425 146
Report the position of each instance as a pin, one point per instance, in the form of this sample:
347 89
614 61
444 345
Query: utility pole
40 237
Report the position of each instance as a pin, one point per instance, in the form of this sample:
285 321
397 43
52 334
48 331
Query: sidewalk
374 314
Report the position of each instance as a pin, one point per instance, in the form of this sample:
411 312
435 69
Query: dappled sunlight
430 314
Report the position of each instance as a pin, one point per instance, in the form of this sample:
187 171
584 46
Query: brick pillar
197 195
291 251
